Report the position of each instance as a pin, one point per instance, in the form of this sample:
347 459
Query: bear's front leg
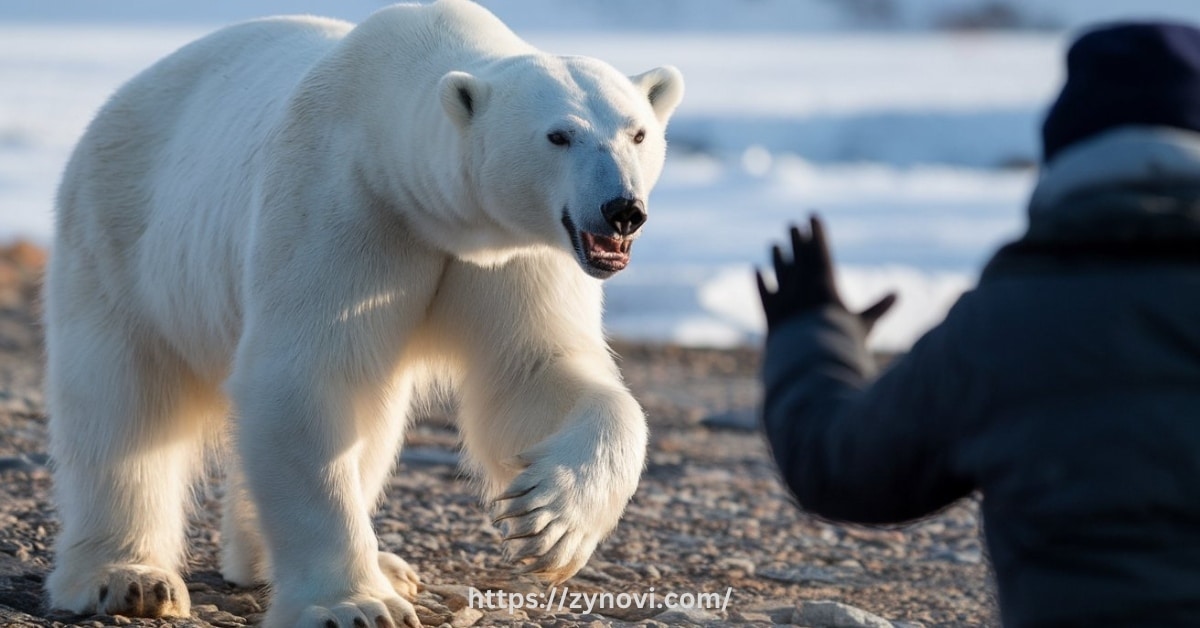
300 445
545 416
575 484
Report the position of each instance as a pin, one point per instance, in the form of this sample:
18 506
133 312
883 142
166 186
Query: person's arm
849 448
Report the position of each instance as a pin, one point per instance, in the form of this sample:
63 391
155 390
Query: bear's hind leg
127 428
243 551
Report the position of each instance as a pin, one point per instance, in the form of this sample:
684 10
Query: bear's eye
558 138
641 135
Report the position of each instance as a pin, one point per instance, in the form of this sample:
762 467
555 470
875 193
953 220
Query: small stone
239 604
620 572
504 616
16 463
685 616
801 574
26 255
746 617
745 565
466 616
391 540
964 557
829 614
742 420
779 611
431 618
588 573
428 456
222 619
453 596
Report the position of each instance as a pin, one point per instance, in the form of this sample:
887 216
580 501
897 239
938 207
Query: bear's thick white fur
302 224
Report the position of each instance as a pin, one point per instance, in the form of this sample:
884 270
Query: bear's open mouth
603 255
606 253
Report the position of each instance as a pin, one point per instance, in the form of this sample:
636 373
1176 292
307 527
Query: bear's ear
663 87
462 96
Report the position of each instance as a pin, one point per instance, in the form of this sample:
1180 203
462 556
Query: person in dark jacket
1065 387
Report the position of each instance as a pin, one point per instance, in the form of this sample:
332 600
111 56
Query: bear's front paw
359 611
554 515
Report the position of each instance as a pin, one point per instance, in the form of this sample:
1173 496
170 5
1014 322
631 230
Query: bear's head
563 151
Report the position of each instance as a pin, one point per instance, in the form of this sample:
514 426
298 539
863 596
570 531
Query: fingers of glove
781 264
799 243
818 251
871 315
763 292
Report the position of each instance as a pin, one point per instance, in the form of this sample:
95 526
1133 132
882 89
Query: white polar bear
302 224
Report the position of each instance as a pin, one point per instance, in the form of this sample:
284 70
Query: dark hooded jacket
1065 388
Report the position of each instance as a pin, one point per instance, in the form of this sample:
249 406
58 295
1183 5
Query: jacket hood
1129 195
1133 156
1134 184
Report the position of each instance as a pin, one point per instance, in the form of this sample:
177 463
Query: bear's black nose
626 215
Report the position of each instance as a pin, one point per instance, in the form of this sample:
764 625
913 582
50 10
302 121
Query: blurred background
910 125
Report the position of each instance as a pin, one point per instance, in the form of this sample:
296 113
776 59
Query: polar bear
304 224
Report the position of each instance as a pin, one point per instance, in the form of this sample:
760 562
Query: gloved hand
805 282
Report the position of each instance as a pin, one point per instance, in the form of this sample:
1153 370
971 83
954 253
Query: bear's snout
626 215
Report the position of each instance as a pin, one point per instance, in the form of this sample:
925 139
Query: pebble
239 604
779 611
17 463
429 456
466 616
454 597
744 565
741 420
686 616
801 574
504 616
965 557
746 617
432 617
829 614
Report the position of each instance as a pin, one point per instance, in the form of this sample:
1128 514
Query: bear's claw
514 493
403 577
551 521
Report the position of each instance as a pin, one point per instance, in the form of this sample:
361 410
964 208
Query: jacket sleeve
855 450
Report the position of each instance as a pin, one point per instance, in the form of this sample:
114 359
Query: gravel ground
710 516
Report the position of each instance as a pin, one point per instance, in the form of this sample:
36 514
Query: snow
792 16
915 146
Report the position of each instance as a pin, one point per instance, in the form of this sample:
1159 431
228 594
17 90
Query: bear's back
445 30
152 164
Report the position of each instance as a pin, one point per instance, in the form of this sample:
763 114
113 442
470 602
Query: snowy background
910 125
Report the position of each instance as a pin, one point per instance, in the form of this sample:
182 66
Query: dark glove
805 282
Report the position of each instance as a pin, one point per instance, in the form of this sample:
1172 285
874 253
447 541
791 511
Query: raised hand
805 280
